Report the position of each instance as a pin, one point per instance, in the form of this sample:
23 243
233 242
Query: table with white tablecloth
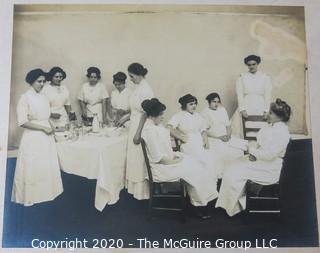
97 157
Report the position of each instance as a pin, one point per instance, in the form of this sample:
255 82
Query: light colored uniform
200 186
37 175
254 95
136 170
58 98
120 100
193 125
218 121
93 96
272 143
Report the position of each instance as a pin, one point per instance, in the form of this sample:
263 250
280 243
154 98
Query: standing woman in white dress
189 127
58 95
93 96
120 96
262 165
254 89
136 171
169 166
37 175
219 131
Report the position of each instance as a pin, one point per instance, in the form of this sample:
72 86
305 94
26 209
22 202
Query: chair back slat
255 130
146 159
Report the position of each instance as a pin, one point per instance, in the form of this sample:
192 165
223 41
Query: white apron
254 95
37 175
58 97
136 171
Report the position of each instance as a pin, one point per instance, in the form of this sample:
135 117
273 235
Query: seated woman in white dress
171 166
228 147
37 175
189 127
120 97
254 89
93 96
262 165
58 95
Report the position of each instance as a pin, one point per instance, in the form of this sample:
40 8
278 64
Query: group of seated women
208 154
209 149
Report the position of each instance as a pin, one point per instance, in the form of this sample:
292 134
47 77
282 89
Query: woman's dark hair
212 96
188 98
137 69
55 70
281 109
252 57
153 107
33 75
119 77
94 70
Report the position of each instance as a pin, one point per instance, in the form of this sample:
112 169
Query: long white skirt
225 153
201 187
208 157
232 191
136 171
37 175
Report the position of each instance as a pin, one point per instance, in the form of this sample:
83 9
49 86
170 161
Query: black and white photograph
159 125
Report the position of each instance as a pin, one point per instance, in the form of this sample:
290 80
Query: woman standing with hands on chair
262 165
37 175
254 89
136 173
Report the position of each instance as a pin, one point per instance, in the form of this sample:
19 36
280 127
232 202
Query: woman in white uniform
120 96
170 166
189 127
264 163
254 89
93 96
37 175
58 95
136 172
219 131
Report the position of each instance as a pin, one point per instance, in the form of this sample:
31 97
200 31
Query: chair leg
150 204
183 203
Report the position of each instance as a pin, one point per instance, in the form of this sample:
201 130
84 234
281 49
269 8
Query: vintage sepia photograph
159 126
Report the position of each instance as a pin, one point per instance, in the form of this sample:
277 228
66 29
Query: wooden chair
248 131
156 193
265 199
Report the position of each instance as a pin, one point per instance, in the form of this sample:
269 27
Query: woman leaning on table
136 173
93 96
262 165
58 95
37 175
254 89
170 166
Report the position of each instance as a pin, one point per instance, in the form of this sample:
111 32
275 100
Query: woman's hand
244 114
136 139
55 115
183 138
252 158
224 138
47 130
206 145
265 116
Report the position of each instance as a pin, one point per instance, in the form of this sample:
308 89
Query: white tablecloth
97 157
